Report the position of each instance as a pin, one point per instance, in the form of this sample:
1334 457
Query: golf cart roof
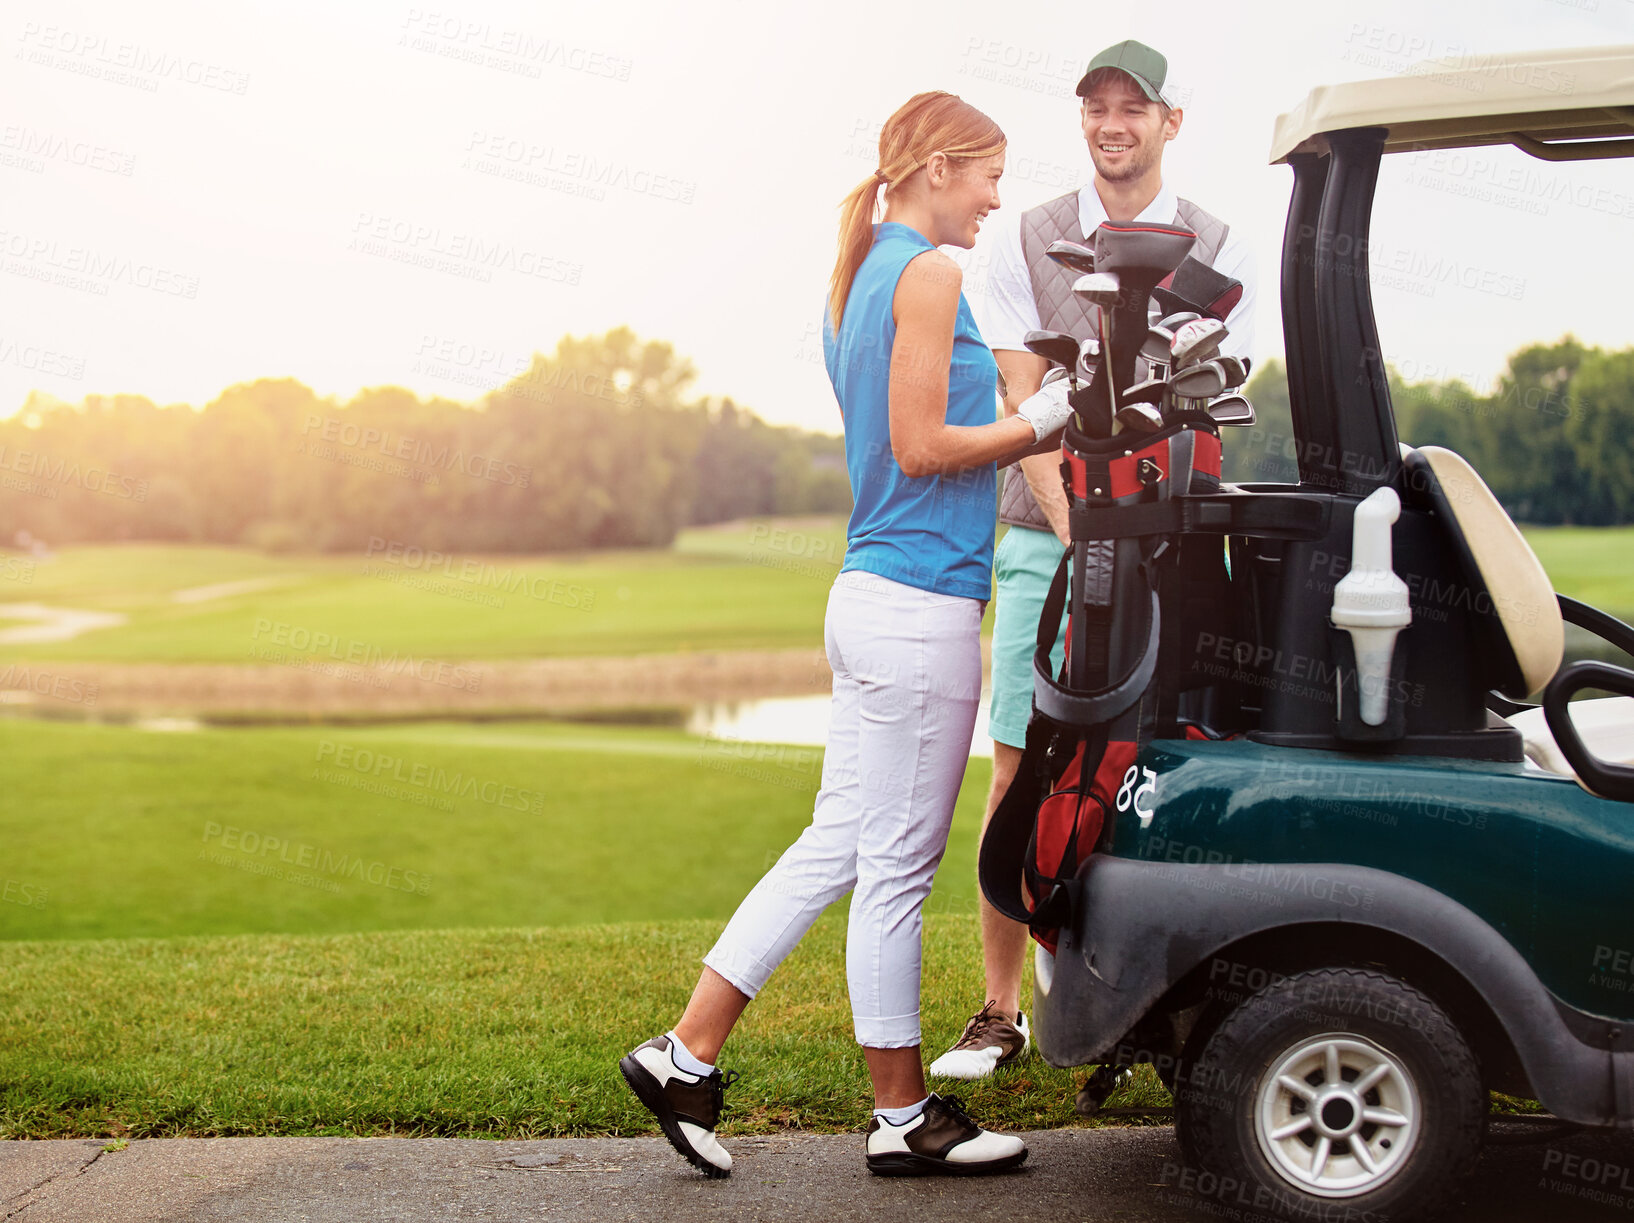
1556 105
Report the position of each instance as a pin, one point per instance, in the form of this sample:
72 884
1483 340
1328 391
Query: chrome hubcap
1336 1115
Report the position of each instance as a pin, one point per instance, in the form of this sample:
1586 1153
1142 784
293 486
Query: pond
800 720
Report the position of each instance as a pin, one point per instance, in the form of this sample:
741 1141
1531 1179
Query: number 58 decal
1130 795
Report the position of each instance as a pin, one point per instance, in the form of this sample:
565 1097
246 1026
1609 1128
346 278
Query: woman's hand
1047 410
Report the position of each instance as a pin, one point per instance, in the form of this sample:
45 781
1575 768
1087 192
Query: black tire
1228 1104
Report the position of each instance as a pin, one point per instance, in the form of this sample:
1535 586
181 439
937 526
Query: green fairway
113 832
757 586
1594 564
760 585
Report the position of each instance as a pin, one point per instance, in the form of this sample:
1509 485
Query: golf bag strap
1268 516
1068 706
1011 836
1001 862
1053 909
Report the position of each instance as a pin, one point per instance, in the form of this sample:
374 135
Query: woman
916 388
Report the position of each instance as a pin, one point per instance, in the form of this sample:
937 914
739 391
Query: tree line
596 445
599 445
1553 437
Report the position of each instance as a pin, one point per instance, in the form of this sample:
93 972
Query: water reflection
800 720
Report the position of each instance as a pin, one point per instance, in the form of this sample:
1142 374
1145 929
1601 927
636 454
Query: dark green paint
1546 864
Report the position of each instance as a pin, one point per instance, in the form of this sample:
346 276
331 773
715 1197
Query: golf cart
1346 880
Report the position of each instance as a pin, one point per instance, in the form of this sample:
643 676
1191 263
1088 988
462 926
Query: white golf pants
907 680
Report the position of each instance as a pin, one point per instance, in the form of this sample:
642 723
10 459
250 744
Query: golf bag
1137 591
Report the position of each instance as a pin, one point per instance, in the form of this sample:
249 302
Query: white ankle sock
684 1059
903 1115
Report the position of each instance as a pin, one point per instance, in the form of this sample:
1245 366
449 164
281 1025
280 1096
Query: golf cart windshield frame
1344 423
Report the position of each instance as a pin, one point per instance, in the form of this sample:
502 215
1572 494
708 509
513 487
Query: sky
194 195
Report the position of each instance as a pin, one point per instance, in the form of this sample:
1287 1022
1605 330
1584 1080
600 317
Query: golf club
1073 255
1196 341
1140 254
1140 418
1155 352
1103 291
1056 347
1231 410
1202 381
1150 391
1236 370
1175 321
1156 346
1088 353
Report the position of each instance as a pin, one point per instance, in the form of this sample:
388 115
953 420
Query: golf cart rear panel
1244 858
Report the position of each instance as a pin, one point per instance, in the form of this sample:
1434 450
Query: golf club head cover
1140 254
1196 286
1131 248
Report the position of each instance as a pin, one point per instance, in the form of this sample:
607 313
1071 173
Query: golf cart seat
1606 727
1521 632
1518 617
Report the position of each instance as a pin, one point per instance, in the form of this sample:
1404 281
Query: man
1128 116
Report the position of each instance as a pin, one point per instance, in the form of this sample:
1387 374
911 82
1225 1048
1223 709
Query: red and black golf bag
1134 591
1135 588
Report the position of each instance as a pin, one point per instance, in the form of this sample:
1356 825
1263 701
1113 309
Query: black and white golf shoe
941 1141
687 1105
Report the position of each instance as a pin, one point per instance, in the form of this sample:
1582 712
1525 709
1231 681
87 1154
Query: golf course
438 923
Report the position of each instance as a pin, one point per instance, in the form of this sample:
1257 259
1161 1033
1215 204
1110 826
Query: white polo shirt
1003 300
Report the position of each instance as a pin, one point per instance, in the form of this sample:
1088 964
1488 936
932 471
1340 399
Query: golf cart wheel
1335 1087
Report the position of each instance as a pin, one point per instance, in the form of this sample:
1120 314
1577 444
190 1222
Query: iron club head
1236 370
1202 381
1140 417
1231 410
1155 348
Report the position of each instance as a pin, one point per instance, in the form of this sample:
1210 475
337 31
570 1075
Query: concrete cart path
1130 1175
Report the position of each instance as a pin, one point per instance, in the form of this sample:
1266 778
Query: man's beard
1137 166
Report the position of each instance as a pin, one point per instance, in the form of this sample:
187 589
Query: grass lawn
224 932
1594 564
475 1033
114 832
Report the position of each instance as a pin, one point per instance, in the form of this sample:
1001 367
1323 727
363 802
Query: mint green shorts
1023 565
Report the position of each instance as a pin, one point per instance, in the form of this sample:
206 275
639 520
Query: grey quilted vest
1059 310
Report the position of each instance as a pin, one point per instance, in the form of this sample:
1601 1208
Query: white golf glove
1047 410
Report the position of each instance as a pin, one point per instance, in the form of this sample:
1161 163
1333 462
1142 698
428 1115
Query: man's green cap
1147 66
